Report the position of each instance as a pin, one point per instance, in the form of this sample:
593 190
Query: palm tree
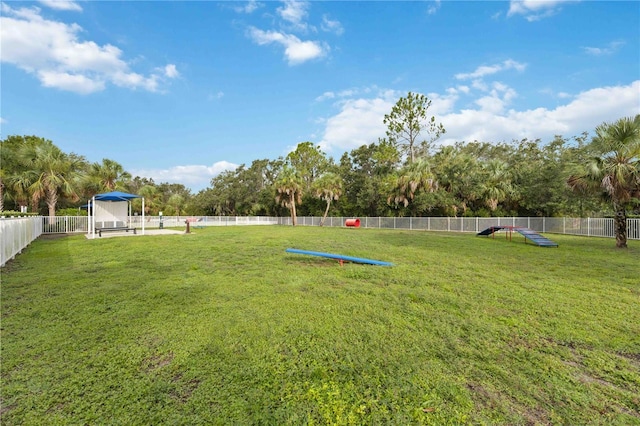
289 187
52 174
106 176
412 178
151 199
12 169
497 186
458 176
615 170
19 183
176 202
328 187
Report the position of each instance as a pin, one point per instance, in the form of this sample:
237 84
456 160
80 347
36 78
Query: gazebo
112 212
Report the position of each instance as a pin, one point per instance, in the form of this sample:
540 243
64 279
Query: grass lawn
222 326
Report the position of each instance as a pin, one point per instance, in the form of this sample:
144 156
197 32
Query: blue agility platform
340 257
529 235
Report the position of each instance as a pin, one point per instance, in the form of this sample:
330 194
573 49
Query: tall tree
363 171
152 201
309 162
496 186
6 158
53 174
411 179
407 120
458 175
106 176
176 203
289 188
17 153
615 169
223 194
328 187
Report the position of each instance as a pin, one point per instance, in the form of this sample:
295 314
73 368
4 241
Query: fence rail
17 233
590 227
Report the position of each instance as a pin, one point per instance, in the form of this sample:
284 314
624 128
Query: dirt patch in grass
156 362
4 408
493 402
184 392
54 236
634 358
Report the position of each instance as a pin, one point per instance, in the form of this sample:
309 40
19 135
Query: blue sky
179 91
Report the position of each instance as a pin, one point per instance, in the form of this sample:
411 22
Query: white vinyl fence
17 233
591 227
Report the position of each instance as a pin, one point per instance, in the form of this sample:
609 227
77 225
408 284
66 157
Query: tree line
403 174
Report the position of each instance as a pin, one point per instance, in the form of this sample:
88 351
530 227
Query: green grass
224 327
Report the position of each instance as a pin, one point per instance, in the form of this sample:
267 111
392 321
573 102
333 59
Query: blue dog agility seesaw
528 234
340 258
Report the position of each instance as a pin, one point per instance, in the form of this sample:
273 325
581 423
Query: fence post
589 226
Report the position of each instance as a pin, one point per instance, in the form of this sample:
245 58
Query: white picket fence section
18 233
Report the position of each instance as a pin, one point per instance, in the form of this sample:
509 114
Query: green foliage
71 212
521 178
12 213
407 120
289 190
221 326
104 177
614 171
309 162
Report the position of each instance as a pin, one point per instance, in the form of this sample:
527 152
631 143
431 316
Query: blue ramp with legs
536 238
528 234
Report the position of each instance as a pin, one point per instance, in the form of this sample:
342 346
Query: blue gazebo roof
116 196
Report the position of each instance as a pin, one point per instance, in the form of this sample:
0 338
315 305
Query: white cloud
325 96
218 95
347 93
192 176
62 5
534 10
250 7
359 121
485 70
72 82
171 71
433 7
295 13
587 110
609 49
296 51
331 26
52 51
